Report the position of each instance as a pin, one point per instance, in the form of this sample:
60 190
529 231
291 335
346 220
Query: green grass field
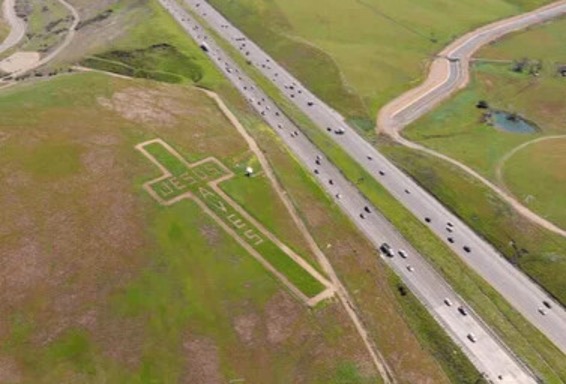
536 174
358 54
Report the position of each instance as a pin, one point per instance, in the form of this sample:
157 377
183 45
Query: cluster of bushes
101 16
161 62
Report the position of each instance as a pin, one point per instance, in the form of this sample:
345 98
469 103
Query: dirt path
508 155
341 291
442 76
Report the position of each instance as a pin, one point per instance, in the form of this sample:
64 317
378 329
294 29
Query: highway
483 348
518 289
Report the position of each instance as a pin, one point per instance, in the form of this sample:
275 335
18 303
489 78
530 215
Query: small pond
512 123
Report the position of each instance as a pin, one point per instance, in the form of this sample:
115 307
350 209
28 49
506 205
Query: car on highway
403 254
467 249
472 337
542 311
547 304
448 302
410 268
463 311
339 131
386 250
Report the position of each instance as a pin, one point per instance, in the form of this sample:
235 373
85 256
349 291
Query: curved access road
448 73
17 26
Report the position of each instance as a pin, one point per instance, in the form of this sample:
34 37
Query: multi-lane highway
522 293
483 348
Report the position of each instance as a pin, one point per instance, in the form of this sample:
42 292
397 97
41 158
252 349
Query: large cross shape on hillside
199 182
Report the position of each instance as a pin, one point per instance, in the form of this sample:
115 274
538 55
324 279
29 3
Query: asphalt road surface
483 348
520 291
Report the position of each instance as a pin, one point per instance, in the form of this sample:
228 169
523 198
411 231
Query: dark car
386 249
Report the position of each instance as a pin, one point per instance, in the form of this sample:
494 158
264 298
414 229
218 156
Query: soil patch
203 362
282 312
20 61
147 106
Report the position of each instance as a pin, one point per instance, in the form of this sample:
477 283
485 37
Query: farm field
456 127
356 55
101 281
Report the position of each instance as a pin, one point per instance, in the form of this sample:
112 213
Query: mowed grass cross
199 182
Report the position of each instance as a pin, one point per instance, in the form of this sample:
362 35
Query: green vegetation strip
524 339
187 179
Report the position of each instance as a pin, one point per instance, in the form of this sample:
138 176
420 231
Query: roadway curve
448 73
17 26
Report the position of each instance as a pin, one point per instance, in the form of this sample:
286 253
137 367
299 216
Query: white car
472 337
448 302
403 254
410 268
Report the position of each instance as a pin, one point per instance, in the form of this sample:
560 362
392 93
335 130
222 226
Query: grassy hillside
103 283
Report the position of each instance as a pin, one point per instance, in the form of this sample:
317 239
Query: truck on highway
204 46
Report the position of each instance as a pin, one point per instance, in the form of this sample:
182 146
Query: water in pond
511 123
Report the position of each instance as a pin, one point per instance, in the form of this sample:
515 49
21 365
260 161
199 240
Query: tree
520 65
